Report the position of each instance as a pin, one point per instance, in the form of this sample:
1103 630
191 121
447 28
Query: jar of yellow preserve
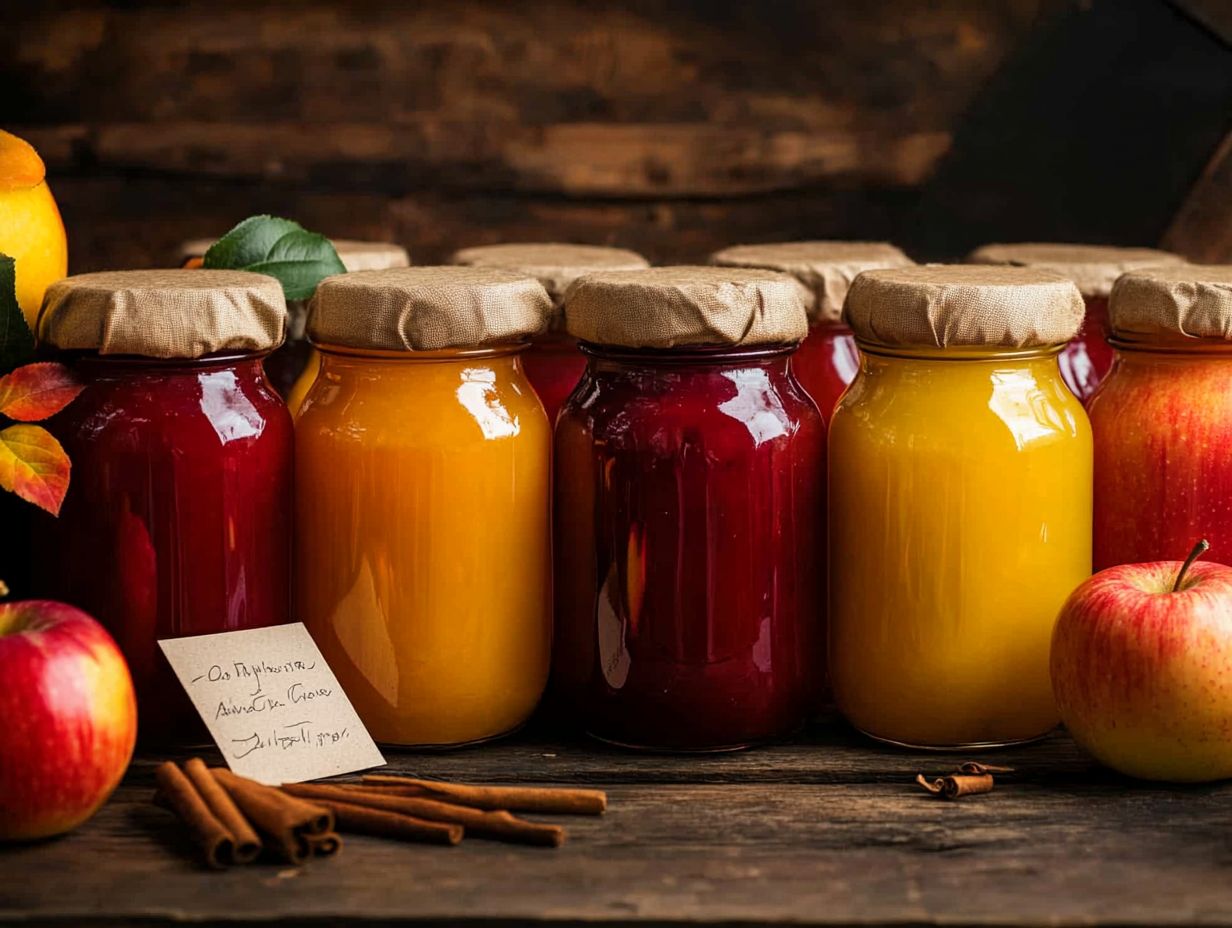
422 539
960 504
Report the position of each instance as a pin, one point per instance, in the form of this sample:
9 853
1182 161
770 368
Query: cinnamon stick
381 823
558 800
324 845
974 768
285 821
211 835
499 826
957 785
246 844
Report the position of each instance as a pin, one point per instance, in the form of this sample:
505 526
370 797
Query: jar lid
670 307
1192 301
553 264
355 255
164 314
824 269
955 305
1092 268
427 308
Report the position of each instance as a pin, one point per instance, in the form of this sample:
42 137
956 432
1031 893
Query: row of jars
687 500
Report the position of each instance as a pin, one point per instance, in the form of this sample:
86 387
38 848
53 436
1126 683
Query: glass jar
960 520
422 539
1086 360
554 366
689 511
1161 420
826 363
178 516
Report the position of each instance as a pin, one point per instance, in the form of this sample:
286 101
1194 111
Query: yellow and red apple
1142 672
69 718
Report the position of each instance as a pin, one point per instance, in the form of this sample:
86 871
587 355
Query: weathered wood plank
1202 229
815 833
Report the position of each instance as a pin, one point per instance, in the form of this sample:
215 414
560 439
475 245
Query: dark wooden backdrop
670 127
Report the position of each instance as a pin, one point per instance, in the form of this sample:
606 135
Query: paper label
272 705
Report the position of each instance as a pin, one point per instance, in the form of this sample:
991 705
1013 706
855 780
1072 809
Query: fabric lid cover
1193 301
824 269
669 307
164 314
427 308
1092 268
355 255
952 305
553 264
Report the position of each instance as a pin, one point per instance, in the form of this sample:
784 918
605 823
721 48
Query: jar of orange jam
553 362
1086 360
422 535
960 504
827 360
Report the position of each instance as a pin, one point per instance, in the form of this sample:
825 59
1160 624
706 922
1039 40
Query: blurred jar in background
1087 359
178 515
293 366
553 362
827 360
422 524
689 511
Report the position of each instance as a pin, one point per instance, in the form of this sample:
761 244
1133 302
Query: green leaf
301 260
16 339
283 249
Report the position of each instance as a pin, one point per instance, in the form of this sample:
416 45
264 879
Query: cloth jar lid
355 255
956 305
164 314
427 308
1192 301
553 264
1092 268
824 269
670 307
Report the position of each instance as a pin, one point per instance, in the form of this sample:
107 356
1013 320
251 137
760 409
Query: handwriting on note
271 704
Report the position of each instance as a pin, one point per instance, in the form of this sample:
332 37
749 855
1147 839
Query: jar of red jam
689 512
552 362
1162 419
1087 359
178 515
828 359
293 365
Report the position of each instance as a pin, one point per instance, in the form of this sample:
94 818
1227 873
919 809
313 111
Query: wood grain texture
826 831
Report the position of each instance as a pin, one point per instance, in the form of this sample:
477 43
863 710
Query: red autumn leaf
36 391
34 466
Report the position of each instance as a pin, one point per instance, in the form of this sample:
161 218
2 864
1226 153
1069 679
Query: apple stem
1198 550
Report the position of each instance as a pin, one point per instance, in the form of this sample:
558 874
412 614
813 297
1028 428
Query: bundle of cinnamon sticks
232 818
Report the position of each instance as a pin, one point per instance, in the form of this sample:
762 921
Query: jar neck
985 354
343 353
603 358
1163 349
113 367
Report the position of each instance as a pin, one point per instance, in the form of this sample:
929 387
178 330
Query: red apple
1142 669
69 718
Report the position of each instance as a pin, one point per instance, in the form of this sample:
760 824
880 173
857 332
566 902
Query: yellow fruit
30 226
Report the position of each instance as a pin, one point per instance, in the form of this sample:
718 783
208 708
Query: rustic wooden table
827 830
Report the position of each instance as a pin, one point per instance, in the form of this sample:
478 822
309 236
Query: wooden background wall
673 127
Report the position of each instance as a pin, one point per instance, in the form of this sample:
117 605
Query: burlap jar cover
427 308
164 314
554 264
824 269
1092 268
1167 303
671 307
944 306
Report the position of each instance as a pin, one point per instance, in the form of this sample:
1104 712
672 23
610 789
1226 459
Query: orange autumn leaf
37 391
34 466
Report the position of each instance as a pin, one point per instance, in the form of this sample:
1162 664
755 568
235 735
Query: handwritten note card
272 704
